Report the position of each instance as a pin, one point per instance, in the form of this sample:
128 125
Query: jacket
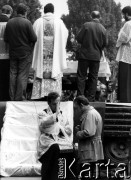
90 148
20 35
93 39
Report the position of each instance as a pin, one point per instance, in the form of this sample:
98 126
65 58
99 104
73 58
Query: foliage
33 7
79 13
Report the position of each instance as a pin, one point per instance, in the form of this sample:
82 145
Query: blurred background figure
124 58
6 12
103 93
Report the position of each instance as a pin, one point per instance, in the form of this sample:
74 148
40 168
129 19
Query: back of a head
95 15
7 9
81 100
21 9
49 8
52 96
127 10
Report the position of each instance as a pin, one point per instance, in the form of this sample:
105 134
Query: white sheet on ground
20 134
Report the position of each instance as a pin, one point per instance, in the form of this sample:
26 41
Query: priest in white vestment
49 57
124 57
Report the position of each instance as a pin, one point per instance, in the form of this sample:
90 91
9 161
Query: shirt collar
85 111
20 15
96 20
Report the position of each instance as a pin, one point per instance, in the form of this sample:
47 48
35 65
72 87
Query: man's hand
40 115
68 130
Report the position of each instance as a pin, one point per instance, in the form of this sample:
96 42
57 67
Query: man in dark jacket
20 35
4 55
92 38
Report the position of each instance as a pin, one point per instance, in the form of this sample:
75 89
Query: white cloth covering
104 69
20 135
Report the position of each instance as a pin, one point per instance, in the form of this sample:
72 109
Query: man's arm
124 35
80 35
67 127
47 120
89 127
32 34
105 38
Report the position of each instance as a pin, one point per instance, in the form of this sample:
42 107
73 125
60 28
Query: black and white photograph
65 89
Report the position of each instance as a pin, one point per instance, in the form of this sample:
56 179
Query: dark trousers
19 72
49 169
4 79
90 91
124 82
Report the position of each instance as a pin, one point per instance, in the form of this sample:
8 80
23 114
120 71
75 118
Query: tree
33 7
79 13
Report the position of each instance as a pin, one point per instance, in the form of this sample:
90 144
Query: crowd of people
42 46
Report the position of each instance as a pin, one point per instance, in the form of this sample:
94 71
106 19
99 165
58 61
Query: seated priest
53 126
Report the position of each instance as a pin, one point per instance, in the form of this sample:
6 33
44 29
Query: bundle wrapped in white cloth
20 135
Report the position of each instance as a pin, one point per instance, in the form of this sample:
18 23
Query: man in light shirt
53 126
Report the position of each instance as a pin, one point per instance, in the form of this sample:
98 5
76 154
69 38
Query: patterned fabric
42 87
124 43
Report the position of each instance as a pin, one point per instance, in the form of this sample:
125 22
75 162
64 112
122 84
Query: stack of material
20 134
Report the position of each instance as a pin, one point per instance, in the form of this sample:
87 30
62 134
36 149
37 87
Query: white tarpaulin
20 135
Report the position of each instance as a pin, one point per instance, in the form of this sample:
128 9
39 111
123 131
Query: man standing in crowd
53 126
4 54
20 35
124 57
92 38
90 148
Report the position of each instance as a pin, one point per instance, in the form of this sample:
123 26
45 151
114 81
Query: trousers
49 160
4 79
90 90
19 72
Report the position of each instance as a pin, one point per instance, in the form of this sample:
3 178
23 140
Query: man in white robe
124 58
49 57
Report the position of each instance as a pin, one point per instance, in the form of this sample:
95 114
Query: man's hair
127 9
81 100
95 14
21 9
7 9
52 96
49 8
